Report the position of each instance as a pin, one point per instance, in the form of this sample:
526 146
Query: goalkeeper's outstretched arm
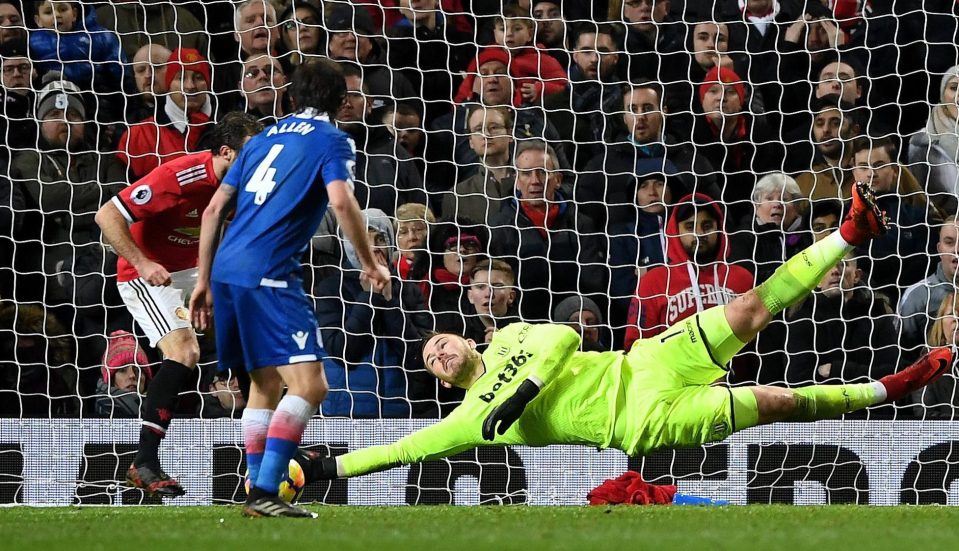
448 437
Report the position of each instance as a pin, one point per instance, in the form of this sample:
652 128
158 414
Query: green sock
829 401
800 274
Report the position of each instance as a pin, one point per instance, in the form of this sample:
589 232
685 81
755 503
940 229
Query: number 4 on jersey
264 177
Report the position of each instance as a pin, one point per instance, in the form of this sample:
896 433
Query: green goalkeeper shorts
669 400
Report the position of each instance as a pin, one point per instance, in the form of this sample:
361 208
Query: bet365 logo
507 374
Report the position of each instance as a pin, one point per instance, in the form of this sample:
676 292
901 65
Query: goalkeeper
532 387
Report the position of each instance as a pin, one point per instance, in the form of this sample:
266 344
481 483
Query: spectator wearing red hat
428 48
731 138
537 74
178 127
448 144
125 375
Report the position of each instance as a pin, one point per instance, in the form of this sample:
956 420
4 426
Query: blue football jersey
281 176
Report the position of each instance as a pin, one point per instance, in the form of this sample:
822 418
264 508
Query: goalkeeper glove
504 415
322 468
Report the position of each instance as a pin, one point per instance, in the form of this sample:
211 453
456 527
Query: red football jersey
164 209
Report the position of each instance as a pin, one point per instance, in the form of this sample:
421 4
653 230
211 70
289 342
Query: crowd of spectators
616 165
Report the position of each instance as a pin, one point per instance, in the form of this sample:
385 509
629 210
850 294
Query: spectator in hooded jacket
696 275
934 151
368 335
637 240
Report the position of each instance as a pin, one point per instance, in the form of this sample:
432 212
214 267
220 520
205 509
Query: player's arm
545 348
211 224
446 438
351 219
116 230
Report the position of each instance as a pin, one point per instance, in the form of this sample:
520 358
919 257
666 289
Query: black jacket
857 337
572 259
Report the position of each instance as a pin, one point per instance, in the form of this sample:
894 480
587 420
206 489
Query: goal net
615 165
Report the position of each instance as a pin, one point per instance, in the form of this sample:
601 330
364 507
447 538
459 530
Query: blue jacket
88 51
367 339
634 243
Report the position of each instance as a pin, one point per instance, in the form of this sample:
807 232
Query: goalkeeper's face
452 359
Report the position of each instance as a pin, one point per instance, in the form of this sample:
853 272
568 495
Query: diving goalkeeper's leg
762 404
798 276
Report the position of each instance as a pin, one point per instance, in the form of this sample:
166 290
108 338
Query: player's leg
159 312
751 312
306 389
278 331
266 388
181 352
759 405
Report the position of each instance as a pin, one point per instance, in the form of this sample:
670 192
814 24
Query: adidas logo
192 214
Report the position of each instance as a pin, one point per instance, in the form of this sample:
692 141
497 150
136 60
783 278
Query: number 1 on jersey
264 177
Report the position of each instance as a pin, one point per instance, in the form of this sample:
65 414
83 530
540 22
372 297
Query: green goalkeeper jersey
578 404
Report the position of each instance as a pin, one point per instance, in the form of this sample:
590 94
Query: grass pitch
506 527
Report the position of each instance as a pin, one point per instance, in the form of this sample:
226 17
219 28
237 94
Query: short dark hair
593 27
864 143
232 131
825 207
353 69
645 85
403 109
318 84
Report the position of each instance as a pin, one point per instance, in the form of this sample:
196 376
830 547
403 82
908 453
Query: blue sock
282 439
275 464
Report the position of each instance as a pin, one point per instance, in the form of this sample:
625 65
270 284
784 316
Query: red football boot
865 220
929 368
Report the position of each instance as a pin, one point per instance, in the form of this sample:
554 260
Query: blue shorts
264 327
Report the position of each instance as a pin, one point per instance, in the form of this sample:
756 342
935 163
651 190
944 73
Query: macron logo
300 338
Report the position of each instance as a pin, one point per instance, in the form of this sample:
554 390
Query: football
290 487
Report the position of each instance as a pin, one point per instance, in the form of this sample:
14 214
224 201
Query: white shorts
160 310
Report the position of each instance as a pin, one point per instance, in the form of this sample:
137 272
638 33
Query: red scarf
403 266
448 280
541 219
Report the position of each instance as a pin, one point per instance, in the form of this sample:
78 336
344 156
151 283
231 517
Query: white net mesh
669 157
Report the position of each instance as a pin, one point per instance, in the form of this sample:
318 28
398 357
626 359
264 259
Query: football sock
282 439
817 402
256 423
161 400
800 274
